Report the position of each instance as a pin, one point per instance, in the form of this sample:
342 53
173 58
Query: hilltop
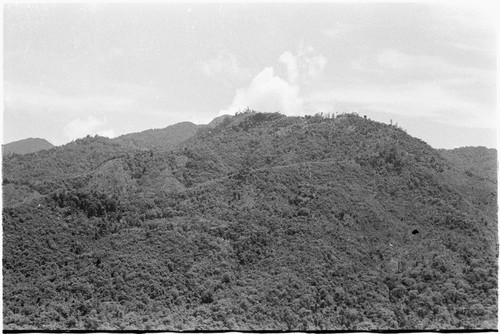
258 222
26 146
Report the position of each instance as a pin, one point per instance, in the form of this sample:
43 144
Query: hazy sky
111 69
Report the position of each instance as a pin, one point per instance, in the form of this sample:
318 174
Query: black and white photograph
249 166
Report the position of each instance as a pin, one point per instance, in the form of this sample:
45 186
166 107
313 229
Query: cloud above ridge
305 65
224 67
267 92
79 128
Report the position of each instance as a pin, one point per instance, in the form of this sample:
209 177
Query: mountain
28 176
260 222
480 166
218 120
480 161
25 146
160 139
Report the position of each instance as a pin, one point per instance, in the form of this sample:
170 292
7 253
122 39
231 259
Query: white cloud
290 62
110 133
397 67
224 67
420 64
413 99
397 60
488 50
471 15
34 99
267 93
78 128
339 30
307 64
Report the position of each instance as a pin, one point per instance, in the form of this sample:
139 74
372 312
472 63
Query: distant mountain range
24 146
159 139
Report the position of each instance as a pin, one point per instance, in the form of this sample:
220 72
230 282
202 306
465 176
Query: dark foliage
260 222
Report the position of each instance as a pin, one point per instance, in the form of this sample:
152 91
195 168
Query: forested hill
480 161
259 222
25 146
159 139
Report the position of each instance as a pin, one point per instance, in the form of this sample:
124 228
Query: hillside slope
480 161
27 176
25 146
263 222
479 164
160 139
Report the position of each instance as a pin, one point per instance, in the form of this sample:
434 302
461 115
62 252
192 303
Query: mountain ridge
261 222
163 139
151 138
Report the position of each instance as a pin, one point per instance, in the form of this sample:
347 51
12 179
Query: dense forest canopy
257 222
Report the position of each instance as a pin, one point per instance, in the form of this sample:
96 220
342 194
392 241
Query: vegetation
261 222
25 146
159 139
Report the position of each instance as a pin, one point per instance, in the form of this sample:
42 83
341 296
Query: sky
114 68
